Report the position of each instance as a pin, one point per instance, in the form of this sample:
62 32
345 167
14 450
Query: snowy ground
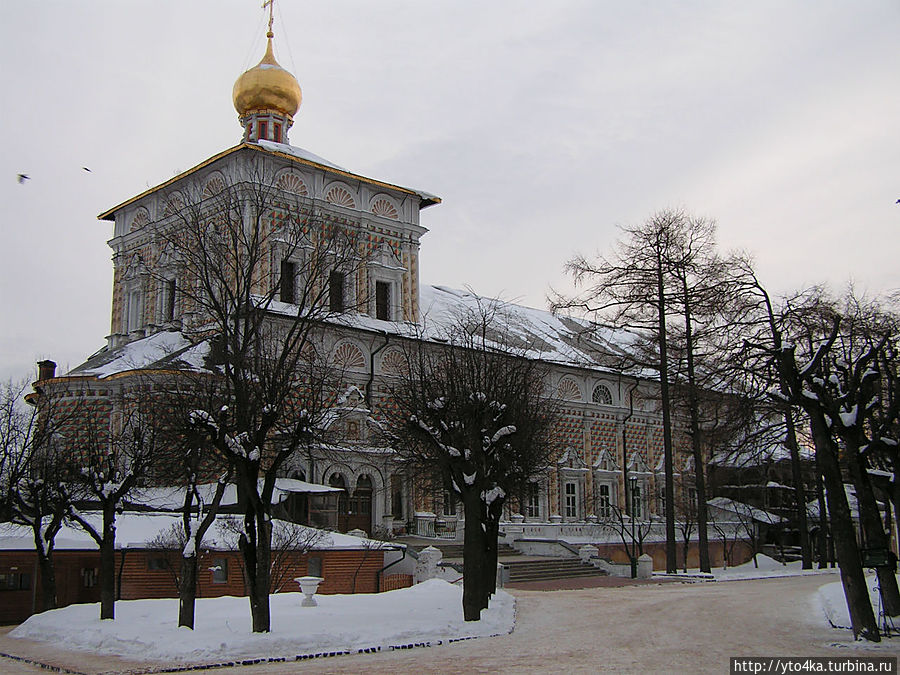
430 612
766 568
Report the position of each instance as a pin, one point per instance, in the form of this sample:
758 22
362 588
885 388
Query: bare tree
631 531
808 384
472 414
106 459
289 542
852 391
686 519
261 271
664 281
33 492
765 324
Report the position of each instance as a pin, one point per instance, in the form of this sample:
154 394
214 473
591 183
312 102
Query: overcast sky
543 126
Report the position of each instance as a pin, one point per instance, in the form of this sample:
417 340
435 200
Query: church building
611 425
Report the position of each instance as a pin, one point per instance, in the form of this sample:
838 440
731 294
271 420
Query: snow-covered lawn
146 629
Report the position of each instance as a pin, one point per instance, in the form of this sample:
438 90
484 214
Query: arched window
602 395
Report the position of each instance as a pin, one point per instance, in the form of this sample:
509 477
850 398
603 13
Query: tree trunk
873 529
671 562
696 440
823 522
108 563
46 569
799 491
108 577
187 592
474 560
856 593
48 579
490 558
257 559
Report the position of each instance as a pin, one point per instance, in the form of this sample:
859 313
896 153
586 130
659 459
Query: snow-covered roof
166 349
289 151
755 454
545 336
812 508
307 156
171 498
744 510
135 529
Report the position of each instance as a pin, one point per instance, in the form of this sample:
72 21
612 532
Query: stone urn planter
309 586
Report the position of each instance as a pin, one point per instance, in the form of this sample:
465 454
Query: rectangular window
336 291
135 311
533 505
262 131
449 505
383 300
89 577
219 570
277 135
571 500
156 562
397 496
637 502
314 567
169 307
605 506
288 275
15 581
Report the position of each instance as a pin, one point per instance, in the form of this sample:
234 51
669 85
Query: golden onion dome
267 86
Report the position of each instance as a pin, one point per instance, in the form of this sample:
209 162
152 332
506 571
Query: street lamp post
632 479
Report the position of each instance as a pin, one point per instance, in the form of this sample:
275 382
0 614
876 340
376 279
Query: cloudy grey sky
543 126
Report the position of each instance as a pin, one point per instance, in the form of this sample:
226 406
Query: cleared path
667 628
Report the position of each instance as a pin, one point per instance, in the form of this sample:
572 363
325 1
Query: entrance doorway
360 512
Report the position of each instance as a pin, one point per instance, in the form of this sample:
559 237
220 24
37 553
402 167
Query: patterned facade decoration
394 363
349 357
383 207
141 218
340 196
568 389
173 204
291 182
213 186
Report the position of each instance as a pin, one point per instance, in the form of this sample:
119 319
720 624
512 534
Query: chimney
46 369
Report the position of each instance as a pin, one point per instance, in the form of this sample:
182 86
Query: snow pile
767 568
834 604
146 629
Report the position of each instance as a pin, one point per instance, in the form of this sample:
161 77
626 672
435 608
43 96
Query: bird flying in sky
22 177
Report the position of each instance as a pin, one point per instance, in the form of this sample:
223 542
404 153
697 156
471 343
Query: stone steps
550 568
